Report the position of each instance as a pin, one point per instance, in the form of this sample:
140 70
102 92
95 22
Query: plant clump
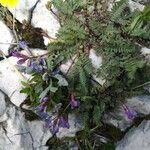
87 25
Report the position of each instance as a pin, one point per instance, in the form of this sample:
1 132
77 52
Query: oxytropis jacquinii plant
85 25
38 67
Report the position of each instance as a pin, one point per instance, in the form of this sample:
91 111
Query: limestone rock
10 81
6 37
135 5
23 10
136 138
48 22
140 103
118 118
143 1
145 51
2 104
17 133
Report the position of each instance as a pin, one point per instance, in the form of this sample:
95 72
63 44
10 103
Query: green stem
141 85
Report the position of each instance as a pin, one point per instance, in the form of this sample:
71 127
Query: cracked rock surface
16 133
10 81
118 118
39 20
23 10
5 32
136 138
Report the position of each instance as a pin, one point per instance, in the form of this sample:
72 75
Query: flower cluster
57 119
38 65
23 45
22 58
54 123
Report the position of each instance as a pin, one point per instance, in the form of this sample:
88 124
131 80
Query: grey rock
147 87
10 80
144 2
140 103
17 133
118 118
6 38
23 10
48 22
2 104
136 138
146 52
134 5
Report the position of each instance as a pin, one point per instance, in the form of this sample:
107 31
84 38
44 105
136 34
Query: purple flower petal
17 54
55 129
21 61
74 103
130 112
36 66
44 104
63 122
23 45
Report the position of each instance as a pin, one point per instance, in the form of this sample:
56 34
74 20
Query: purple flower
60 122
44 104
23 45
56 123
55 128
22 58
37 65
53 123
45 99
63 122
21 61
74 103
41 109
42 62
130 112
17 54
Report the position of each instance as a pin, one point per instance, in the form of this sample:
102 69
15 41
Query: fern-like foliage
84 27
